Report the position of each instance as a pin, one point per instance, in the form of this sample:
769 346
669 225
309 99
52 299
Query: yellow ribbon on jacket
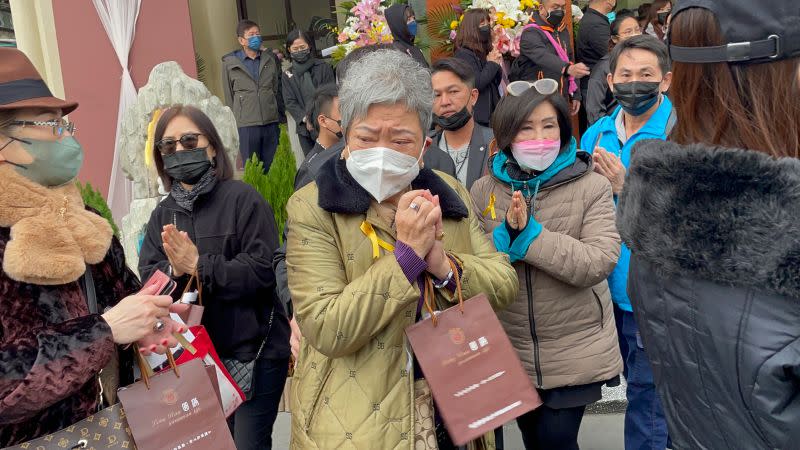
151 132
490 208
377 243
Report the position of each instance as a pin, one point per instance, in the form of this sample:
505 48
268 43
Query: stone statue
166 86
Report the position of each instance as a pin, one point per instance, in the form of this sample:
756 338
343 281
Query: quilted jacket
353 385
562 322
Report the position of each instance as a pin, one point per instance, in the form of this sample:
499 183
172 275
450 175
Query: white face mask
382 171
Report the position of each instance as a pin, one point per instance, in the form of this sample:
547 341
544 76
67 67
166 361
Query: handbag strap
147 372
269 329
91 293
196 278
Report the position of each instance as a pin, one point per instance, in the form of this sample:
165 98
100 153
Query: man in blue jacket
640 74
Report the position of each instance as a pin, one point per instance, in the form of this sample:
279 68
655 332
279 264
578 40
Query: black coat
234 230
599 101
296 103
715 287
538 59
403 39
487 81
594 36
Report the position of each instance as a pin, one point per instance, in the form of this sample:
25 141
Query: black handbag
242 372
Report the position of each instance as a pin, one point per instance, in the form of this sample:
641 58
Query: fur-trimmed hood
725 215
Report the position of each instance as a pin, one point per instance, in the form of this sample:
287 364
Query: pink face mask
536 154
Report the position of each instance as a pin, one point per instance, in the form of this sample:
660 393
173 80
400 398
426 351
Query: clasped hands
419 225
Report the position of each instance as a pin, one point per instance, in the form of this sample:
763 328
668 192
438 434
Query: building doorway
277 17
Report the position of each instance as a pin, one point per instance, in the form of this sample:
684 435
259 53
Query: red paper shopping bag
474 373
176 409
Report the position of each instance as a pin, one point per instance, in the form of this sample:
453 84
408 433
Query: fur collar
724 215
340 193
53 236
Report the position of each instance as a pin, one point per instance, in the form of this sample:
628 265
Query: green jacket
353 383
253 102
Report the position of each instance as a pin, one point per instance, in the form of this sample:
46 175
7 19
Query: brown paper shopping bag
474 373
176 409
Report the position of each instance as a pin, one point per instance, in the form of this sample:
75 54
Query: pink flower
515 46
453 35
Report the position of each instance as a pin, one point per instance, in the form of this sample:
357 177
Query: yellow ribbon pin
490 208
151 131
377 243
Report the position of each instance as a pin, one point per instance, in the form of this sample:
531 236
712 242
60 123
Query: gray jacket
478 154
253 102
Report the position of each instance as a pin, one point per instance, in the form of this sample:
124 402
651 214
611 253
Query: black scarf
185 199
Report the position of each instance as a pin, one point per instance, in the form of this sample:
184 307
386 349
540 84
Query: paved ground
598 432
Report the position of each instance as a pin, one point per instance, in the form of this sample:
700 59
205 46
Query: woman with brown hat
54 337
712 219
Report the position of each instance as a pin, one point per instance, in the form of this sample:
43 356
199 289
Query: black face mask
187 166
339 133
455 121
556 17
485 33
637 97
301 56
662 18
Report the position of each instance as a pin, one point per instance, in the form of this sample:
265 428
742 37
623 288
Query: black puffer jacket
715 286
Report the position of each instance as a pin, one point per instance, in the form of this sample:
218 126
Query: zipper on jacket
600 305
532 323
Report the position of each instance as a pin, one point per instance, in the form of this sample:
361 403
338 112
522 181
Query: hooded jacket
562 321
604 134
403 39
715 287
353 384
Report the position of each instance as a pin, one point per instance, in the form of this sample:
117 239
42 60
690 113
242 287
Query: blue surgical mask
612 16
55 163
412 28
254 43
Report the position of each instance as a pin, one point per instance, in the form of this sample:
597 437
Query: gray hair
386 77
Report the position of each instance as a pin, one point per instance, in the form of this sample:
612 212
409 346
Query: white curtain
119 20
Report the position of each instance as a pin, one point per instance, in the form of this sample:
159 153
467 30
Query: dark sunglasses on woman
188 141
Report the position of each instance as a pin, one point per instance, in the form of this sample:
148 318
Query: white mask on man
382 171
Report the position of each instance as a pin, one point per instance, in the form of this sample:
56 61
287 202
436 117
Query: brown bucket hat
21 86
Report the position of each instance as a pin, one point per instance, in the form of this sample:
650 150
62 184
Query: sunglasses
545 86
169 146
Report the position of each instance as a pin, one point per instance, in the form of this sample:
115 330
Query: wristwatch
446 281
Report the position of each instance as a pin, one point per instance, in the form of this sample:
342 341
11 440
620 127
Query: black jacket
715 287
235 233
487 81
538 59
296 104
594 36
478 155
403 40
599 101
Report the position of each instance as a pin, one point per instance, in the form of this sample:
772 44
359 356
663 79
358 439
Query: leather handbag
242 372
107 428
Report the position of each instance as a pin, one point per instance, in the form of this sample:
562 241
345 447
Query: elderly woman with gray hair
361 239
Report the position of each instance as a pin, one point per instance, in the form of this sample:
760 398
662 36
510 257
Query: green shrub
95 200
277 185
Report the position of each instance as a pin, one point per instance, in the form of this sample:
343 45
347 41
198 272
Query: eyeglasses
188 141
545 86
59 126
